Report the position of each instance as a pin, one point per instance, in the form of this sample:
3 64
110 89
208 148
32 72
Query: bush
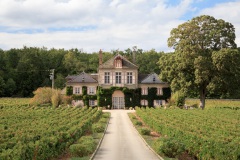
79 104
98 128
56 98
157 145
169 146
178 98
67 100
41 96
138 123
46 95
85 146
106 115
145 131
103 120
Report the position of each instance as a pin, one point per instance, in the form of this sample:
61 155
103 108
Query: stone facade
117 72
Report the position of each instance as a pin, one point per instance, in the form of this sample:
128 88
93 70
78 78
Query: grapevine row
205 134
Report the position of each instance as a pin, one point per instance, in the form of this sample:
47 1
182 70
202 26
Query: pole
52 77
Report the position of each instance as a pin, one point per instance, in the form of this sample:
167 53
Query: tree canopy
24 70
204 49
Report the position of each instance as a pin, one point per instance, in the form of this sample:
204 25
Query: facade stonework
121 77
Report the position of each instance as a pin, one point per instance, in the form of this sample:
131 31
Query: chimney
100 57
134 54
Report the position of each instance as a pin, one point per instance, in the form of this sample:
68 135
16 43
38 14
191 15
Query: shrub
106 115
41 96
157 145
85 146
56 98
103 120
139 123
178 98
145 131
133 117
98 128
67 100
79 104
170 147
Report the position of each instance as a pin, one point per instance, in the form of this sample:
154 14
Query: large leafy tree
191 67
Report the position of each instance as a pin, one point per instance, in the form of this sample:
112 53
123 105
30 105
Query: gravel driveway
121 141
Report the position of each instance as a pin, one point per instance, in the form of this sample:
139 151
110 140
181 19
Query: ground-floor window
158 102
91 102
144 102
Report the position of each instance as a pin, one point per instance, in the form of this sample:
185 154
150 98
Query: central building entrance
118 100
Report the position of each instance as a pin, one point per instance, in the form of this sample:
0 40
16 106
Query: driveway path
121 141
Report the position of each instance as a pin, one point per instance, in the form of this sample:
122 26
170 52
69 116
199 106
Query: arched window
118 62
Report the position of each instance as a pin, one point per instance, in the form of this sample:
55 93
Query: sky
91 25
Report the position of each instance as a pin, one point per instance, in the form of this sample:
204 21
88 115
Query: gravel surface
121 140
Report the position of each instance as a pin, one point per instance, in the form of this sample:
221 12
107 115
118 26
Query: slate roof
149 79
81 78
68 78
142 77
125 63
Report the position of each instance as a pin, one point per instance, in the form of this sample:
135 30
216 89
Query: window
91 102
77 90
144 102
144 91
118 62
159 91
118 78
91 90
158 102
154 79
107 78
129 77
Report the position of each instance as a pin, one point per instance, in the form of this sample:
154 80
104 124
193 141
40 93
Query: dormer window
118 62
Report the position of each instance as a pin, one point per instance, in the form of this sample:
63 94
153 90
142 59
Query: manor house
118 85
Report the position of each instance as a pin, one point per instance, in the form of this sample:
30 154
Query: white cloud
106 24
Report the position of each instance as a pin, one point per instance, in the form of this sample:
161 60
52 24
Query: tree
60 81
194 42
147 61
2 85
227 66
10 87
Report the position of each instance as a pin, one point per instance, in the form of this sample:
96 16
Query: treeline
24 70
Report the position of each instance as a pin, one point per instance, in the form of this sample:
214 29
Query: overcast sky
104 24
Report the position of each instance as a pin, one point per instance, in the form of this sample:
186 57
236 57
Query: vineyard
215 103
41 132
203 134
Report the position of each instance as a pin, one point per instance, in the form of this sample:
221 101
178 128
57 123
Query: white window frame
91 90
77 90
144 91
158 102
159 91
144 102
118 63
106 77
129 78
91 102
118 77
